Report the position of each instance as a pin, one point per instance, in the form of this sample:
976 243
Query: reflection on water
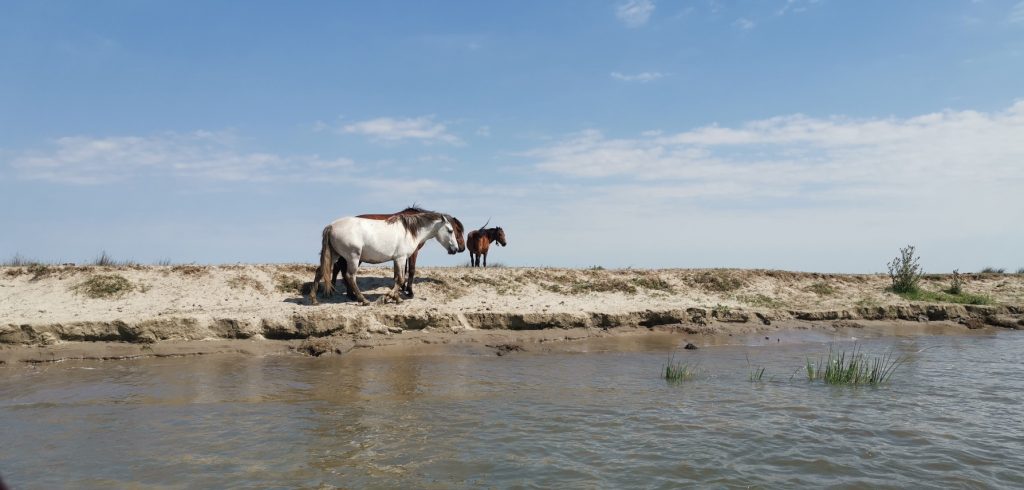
579 419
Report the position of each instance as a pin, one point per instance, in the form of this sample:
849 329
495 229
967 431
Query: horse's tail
326 262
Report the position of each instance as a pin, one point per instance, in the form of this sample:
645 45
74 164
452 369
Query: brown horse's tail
326 262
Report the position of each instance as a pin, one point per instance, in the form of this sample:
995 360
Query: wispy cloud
795 6
646 76
635 13
1017 14
203 155
803 157
743 23
424 129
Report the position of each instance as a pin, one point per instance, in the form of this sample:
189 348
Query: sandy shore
62 312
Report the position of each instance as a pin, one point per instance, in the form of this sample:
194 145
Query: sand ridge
47 305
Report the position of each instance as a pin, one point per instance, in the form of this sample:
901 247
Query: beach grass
854 368
104 286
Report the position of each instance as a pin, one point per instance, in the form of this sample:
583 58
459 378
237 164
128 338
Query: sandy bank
153 309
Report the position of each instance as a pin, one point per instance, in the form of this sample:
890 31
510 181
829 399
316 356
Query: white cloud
795 6
484 131
1017 14
803 157
203 155
646 76
743 23
635 13
422 128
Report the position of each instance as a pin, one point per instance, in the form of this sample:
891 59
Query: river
596 414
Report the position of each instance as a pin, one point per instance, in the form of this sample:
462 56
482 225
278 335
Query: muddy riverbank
62 312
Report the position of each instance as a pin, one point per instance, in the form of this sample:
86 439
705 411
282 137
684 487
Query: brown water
951 418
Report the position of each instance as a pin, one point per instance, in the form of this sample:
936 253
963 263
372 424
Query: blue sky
795 134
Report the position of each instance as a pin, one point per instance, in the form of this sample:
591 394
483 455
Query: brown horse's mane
421 217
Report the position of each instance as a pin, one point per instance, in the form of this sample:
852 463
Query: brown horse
479 241
410 265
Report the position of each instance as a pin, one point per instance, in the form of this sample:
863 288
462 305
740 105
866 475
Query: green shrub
993 270
905 271
956 286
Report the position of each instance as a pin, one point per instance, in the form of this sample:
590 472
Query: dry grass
654 282
760 300
285 283
718 281
821 288
104 286
245 281
189 270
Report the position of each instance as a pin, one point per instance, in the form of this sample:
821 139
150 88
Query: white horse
354 240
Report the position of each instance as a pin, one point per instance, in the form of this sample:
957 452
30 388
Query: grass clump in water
677 371
756 374
854 369
104 286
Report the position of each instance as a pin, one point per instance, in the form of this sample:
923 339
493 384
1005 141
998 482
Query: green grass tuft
104 286
821 288
756 374
854 369
993 270
677 371
946 297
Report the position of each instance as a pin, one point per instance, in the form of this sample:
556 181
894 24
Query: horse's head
499 236
460 233
447 238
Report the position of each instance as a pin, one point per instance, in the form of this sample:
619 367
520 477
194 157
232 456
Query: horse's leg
339 268
343 267
410 273
350 279
313 288
396 292
484 255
